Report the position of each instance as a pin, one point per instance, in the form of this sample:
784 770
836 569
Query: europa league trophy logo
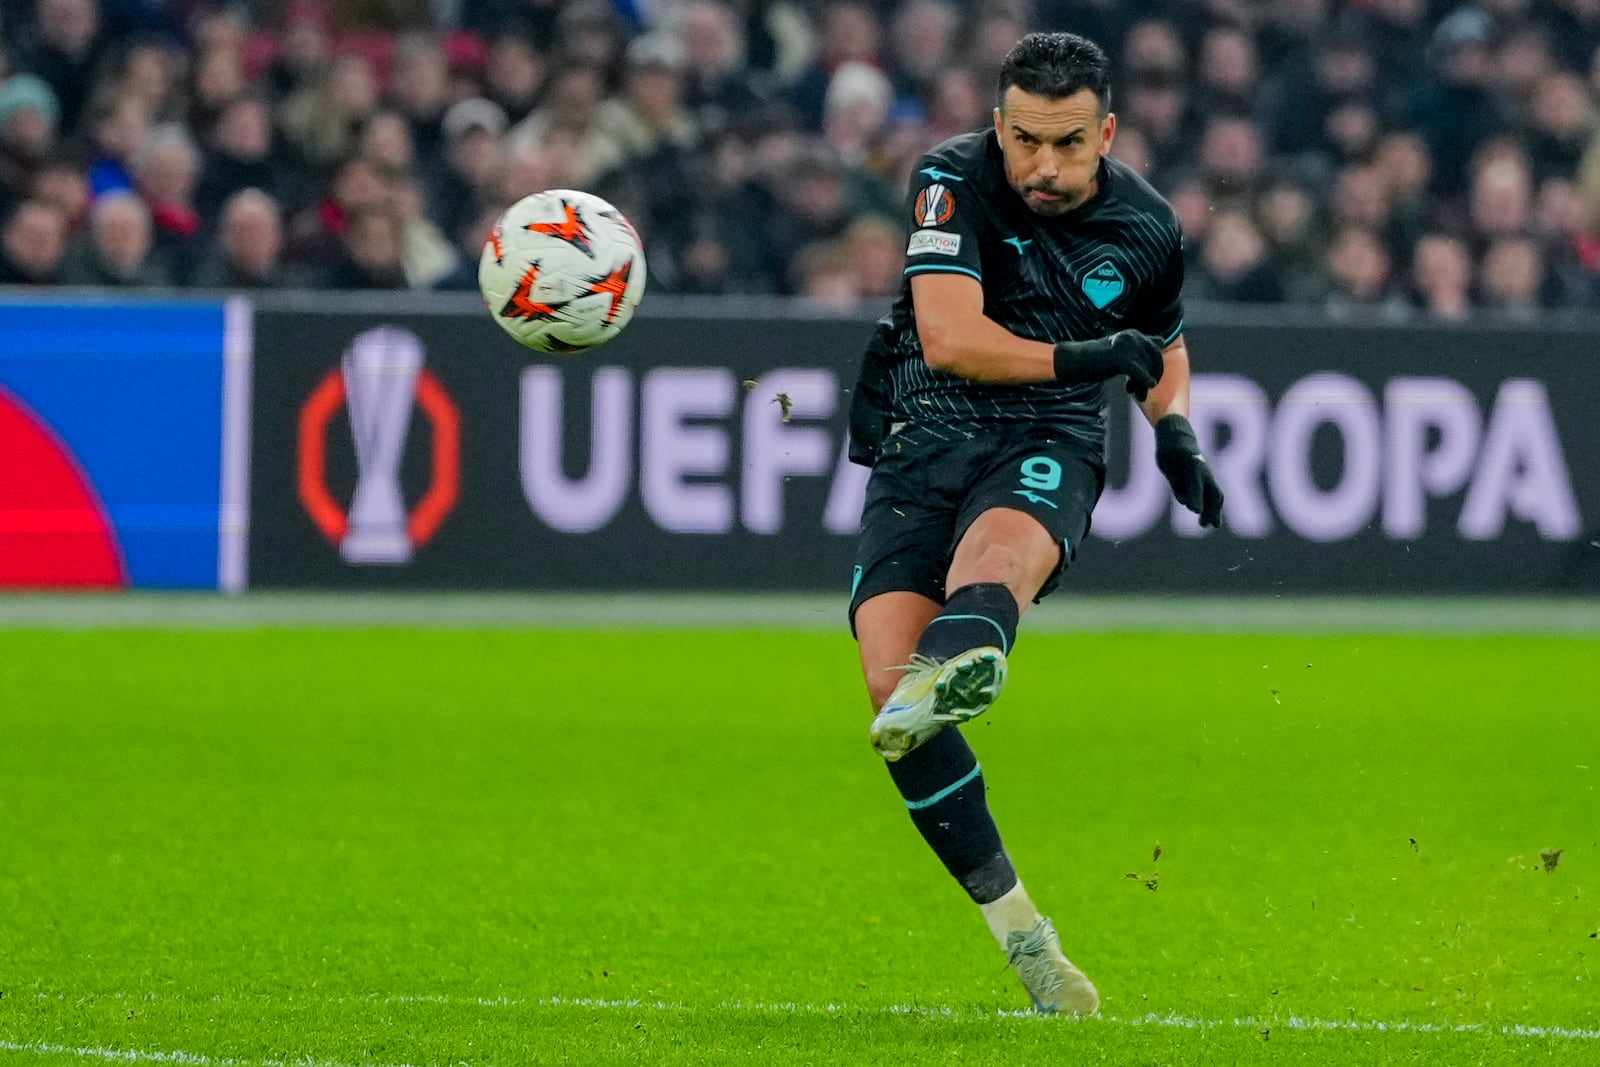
380 379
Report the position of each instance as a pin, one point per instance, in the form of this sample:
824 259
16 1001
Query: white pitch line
1173 1020
188 1059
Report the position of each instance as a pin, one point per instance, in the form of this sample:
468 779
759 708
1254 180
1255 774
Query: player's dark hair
1056 65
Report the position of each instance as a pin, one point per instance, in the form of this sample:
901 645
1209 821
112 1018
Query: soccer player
1038 269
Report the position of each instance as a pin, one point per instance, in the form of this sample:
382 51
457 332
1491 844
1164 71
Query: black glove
1178 456
1127 352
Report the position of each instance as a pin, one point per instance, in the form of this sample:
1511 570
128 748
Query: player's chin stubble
1063 201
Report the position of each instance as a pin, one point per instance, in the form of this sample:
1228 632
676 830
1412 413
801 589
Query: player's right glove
1127 352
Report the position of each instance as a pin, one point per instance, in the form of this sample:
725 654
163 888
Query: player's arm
1171 394
1167 407
1177 449
958 338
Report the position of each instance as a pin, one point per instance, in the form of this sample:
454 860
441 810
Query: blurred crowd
1373 157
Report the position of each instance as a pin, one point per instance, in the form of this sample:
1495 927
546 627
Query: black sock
940 779
943 787
984 613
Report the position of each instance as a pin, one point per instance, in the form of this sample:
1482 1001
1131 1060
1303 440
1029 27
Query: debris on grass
1550 857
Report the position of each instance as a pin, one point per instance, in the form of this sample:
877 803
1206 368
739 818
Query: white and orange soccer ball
562 271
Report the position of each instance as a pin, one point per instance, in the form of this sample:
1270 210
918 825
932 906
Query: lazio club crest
1103 284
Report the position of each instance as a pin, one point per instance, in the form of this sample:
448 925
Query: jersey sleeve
1158 311
945 219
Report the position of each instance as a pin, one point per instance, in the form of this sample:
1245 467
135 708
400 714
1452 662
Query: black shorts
922 498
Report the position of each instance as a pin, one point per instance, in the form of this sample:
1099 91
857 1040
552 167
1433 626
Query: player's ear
997 123
1108 132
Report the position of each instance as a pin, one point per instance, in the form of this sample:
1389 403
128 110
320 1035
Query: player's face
1052 147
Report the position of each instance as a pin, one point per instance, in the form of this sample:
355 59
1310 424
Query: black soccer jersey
1113 263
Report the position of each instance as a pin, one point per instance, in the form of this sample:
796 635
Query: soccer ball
562 271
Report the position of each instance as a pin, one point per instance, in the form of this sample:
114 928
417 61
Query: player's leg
1003 559
907 531
1029 521
940 781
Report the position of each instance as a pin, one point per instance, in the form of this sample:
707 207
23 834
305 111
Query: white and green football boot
933 695
1049 977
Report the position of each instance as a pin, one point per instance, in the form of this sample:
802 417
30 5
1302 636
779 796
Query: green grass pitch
513 847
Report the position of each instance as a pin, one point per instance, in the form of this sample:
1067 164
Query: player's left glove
1178 456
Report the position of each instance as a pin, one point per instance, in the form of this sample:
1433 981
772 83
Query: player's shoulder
1137 196
962 158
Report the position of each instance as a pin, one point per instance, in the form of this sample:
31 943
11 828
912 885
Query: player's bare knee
879 685
997 562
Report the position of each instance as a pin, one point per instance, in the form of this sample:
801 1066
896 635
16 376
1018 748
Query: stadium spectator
32 245
164 173
1562 224
1234 263
589 34
385 140
472 165
706 120
1402 163
565 123
1133 148
218 78
249 247
321 120
303 49
1511 278
1395 33
649 115
1502 195
64 49
420 88
717 89
1523 60
1563 123
239 155
1228 72
426 254
1287 216
148 73
117 250
1231 162
1351 132
922 45
823 276
1360 199
850 32
1359 271
513 75
1306 89
857 108
120 129
1441 277
316 234
1455 112
61 183
471 235
28 116
959 104
372 253
1193 206
876 249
